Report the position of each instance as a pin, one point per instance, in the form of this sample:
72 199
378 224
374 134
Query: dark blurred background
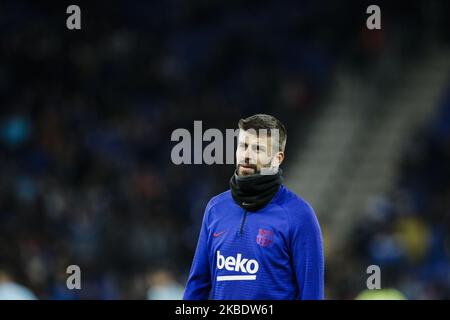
86 118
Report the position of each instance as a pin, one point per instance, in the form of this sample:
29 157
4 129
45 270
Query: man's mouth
248 167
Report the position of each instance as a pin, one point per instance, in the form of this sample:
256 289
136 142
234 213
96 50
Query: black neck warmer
255 191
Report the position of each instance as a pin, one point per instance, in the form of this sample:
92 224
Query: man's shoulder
294 205
220 199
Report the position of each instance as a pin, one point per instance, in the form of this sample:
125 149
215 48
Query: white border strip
234 278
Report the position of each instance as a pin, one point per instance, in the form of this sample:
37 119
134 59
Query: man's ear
278 159
281 156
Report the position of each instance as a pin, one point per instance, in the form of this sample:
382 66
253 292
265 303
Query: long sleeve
199 281
307 253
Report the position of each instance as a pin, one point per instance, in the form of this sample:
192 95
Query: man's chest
238 238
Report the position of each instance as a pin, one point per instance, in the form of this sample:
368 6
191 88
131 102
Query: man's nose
249 157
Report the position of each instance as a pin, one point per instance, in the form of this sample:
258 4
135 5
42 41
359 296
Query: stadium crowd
85 124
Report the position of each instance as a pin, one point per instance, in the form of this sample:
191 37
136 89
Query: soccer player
258 240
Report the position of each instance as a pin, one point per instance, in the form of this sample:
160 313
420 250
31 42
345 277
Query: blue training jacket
273 253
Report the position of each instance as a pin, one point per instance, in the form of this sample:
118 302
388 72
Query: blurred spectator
163 286
10 290
382 294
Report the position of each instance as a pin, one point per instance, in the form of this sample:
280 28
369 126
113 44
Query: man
258 240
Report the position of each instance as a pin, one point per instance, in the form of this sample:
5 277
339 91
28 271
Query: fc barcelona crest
264 238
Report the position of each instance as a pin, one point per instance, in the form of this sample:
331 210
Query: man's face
255 152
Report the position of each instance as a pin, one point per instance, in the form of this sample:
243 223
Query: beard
246 169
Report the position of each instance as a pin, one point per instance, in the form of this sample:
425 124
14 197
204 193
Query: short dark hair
268 122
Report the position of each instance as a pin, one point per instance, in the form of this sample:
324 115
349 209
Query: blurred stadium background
86 118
